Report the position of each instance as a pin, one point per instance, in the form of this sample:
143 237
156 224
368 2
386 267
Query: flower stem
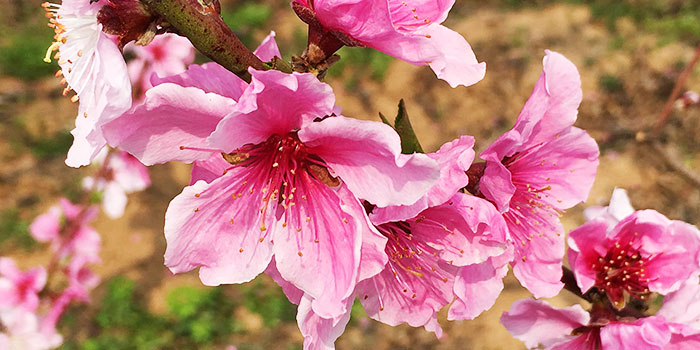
200 22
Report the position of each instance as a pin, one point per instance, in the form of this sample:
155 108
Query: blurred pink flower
537 323
21 330
20 289
121 174
66 227
167 54
286 184
536 170
643 253
93 66
409 30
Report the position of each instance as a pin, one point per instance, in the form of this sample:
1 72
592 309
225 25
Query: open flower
451 249
20 289
22 330
409 30
281 176
644 253
536 170
535 322
93 66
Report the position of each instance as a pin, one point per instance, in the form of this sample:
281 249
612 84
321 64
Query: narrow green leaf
409 141
384 120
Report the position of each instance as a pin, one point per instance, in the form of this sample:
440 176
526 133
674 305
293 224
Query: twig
675 93
207 31
672 161
570 284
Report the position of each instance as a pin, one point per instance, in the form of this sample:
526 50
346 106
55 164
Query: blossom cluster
335 208
623 256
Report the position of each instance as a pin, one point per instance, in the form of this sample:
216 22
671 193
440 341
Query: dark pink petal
645 333
170 117
209 225
367 157
454 158
586 244
320 333
535 322
209 77
273 103
322 255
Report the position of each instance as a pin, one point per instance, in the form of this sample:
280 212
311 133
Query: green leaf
409 141
384 120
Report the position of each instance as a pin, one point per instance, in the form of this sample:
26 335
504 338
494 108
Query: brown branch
672 161
675 93
200 22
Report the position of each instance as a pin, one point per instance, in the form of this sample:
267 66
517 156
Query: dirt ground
512 43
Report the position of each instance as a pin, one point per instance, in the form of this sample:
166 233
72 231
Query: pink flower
537 323
434 257
287 182
683 305
21 330
66 227
20 289
452 249
409 30
167 54
536 170
93 66
120 174
644 253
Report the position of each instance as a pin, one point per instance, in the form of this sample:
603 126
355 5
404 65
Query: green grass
23 51
14 232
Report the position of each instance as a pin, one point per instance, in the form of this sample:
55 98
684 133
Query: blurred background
629 54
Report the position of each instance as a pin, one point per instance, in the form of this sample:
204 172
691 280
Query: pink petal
535 322
274 103
367 157
105 93
586 241
645 333
46 226
205 226
320 333
322 257
170 117
293 293
209 77
478 286
454 60
549 111
454 159
683 305
619 208
267 50
209 169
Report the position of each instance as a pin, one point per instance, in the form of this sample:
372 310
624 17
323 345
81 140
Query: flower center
280 171
411 257
622 270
